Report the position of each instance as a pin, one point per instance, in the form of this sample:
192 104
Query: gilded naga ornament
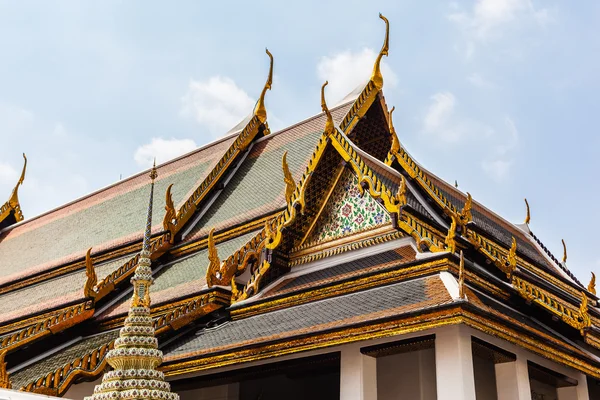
90 273
528 216
290 185
401 195
170 214
376 76
395 141
461 276
451 237
564 259
511 259
329 125
135 355
260 110
465 215
213 273
592 285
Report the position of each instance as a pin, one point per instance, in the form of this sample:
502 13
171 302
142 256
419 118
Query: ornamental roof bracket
465 216
510 265
376 76
584 316
260 110
170 215
451 237
92 279
395 147
329 125
213 272
288 178
12 205
592 285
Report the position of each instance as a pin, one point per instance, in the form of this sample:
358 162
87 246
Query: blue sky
500 95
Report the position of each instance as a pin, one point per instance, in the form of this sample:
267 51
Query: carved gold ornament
401 195
585 320
564 259
511 260
260 110
395 141
528 216
5 382
376 76
465 215
288 178
450 237
461 276
592 285
90 273
213 273
170 214
329 126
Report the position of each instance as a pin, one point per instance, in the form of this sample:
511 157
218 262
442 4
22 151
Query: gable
347 212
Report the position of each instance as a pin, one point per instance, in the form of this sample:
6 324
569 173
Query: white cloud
498 170
487 19
347 70
218 103
440 111
163 150
479 81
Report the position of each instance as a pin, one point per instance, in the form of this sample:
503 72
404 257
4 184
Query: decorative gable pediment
347 211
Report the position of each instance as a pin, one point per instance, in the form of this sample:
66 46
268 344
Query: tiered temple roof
268 244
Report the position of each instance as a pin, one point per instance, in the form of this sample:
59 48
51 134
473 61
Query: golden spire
260 111
5 382
135 355
461 276
213 272
376 77
170 214
564 250
528 217
329 126
290 185
90 273
592 285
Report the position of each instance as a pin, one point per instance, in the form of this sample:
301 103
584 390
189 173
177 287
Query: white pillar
358 375
454 364
579 392
512 380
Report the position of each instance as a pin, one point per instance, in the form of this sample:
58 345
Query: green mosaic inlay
347 212
112 219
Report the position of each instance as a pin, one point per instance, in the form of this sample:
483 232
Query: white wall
407 376
7 394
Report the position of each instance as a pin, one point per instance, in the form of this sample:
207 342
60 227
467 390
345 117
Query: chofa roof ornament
376 76
260 110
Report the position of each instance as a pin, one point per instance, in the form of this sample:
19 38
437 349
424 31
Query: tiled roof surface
51 293
258 186
48 364
347 270
311 318
182 278
105 219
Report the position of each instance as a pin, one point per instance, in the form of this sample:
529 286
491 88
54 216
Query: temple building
321 261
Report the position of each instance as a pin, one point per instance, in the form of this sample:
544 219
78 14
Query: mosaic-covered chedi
321 261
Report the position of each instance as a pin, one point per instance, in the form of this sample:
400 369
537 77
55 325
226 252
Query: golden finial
564 250
170 214
90 273
213 273
465 215
456 183
528 217
450 238
586 321
395 142
461 276
592 285
13 201
401 195
153 172
5 382
329 127
260 110
377 77
290 185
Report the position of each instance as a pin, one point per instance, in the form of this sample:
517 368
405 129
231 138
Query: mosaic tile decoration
347 212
